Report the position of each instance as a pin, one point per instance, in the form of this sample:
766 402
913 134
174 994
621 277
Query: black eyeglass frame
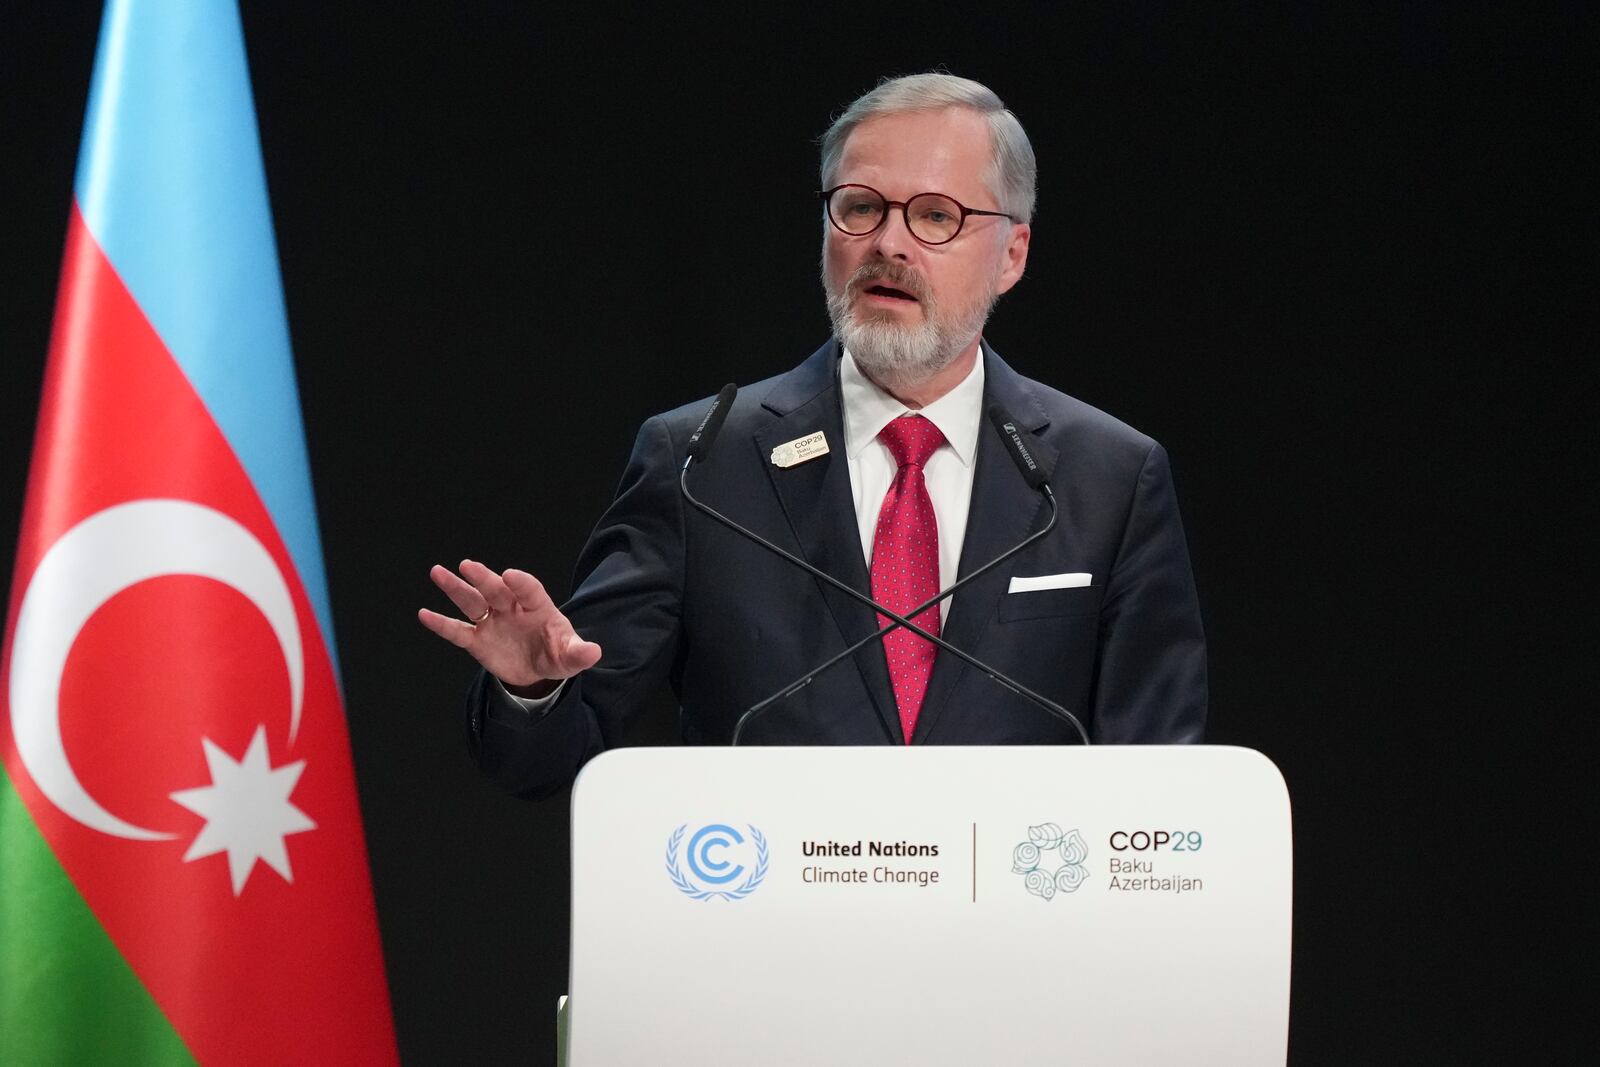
826 196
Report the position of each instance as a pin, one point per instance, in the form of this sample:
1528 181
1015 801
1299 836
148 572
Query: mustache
892 274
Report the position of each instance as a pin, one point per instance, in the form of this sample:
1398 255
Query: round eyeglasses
932 218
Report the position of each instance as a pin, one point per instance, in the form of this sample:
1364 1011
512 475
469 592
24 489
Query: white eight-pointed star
247 810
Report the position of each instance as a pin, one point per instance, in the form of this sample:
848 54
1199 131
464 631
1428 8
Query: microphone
700 444
1036 476
1032 472
716 415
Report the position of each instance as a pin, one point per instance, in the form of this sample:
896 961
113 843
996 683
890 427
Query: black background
1333 257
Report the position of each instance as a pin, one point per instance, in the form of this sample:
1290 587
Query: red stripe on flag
283 972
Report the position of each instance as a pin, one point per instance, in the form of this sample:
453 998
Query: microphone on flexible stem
700 444
1017 447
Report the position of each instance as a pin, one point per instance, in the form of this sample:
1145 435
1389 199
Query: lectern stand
929 906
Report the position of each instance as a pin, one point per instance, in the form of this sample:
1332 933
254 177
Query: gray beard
903 357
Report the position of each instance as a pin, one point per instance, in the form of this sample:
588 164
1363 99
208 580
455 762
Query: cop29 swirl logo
1051 860
711 856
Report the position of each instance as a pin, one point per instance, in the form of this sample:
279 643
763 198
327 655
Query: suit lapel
820 507
1003 511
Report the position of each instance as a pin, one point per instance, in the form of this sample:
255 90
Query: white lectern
929 906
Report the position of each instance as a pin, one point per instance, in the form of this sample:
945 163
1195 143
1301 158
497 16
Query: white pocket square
1050 581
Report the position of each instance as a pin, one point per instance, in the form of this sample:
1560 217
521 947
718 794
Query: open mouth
889 292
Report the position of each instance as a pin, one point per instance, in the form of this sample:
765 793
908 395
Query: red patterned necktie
905 562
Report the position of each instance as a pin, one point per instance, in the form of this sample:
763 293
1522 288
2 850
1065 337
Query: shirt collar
868 409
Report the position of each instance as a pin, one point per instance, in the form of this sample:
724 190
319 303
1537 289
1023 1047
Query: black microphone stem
805 679
1007 683
900 620
1036 476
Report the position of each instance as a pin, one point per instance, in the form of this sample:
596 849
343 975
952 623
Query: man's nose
893 240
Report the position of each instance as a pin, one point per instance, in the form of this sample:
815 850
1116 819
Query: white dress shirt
948 472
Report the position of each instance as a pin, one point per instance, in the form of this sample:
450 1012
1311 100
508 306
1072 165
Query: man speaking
895 461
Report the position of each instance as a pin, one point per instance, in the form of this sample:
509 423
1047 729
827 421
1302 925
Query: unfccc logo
713 855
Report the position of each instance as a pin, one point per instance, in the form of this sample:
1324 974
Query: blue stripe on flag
170 183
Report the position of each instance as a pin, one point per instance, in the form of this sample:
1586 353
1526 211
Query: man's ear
1016 256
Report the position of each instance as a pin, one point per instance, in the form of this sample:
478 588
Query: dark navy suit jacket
671 596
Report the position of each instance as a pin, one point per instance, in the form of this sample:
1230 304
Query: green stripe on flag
66 994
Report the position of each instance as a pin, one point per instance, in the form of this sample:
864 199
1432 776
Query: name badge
800 449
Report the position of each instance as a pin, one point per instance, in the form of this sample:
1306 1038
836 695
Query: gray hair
1012 175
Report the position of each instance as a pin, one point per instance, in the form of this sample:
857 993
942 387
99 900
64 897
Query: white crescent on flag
104 554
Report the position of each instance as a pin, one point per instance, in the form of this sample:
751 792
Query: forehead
946 151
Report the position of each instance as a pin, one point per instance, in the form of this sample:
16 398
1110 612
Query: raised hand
513 628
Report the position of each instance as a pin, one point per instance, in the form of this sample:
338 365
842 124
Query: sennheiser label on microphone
800 449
